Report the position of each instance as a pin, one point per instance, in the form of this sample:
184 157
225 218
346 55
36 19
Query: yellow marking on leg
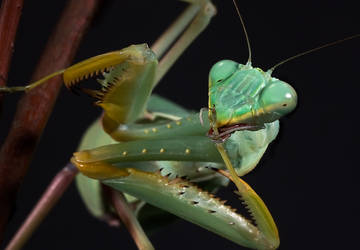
124 153
162 150
178 123
99 170
146 131
144 151
154 130
168 125
187 151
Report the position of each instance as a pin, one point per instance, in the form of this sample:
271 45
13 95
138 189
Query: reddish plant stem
10 13
130 221
35 107
48 200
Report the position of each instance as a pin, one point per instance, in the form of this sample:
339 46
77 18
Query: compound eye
221 71
279 98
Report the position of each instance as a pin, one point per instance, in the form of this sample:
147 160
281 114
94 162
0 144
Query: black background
308 177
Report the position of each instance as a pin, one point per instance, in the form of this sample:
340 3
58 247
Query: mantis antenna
246 34
311 50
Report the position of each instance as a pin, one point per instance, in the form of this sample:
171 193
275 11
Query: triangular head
243 97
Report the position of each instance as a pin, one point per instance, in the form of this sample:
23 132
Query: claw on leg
253 202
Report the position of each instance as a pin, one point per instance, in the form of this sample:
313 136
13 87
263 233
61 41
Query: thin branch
48 200
35 107
130 221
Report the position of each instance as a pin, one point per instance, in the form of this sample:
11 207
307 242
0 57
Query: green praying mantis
271 159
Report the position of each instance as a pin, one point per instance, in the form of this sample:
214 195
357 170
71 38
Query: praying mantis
294 168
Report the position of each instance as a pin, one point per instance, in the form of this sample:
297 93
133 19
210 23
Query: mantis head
245 98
